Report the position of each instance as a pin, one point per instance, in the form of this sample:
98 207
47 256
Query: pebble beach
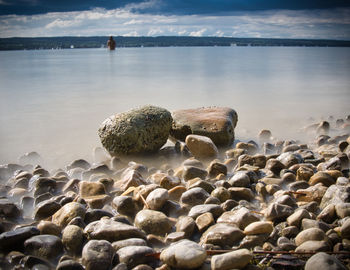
178 190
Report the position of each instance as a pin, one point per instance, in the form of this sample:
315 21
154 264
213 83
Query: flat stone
110 230
237 259
184 254
217 123
97 254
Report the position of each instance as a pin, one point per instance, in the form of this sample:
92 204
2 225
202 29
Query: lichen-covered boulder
142 130
217 123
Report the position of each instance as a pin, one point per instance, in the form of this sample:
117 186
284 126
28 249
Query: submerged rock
143 130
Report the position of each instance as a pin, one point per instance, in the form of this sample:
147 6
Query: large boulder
142 130
217 123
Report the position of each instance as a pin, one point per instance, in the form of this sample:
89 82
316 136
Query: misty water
53 101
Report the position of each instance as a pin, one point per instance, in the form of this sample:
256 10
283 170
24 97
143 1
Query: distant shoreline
70 42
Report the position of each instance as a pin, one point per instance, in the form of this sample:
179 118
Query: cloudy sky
320 19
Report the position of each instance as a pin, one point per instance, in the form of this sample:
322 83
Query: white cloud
332 24
198 33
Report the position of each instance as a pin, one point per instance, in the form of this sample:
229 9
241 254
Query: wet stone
128 242
45 246
194 196
153 222
135 255
184 254
97 254
15 239
222 234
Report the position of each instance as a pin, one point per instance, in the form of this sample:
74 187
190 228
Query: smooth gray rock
184 254
322 260
45 246
142 130
310 234
135 255
153 222
222 234
97 254
237 259
14 239
111 230
311 246
194 196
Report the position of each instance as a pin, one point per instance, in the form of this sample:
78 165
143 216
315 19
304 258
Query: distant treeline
161 41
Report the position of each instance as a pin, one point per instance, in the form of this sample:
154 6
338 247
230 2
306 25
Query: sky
311 19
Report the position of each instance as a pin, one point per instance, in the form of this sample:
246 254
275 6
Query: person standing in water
111 43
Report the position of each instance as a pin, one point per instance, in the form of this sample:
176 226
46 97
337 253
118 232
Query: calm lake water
54 101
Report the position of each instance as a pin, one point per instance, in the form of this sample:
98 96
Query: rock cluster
185 208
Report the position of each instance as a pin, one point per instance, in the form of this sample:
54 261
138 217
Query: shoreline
256 197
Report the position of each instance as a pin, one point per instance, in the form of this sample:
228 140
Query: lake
53 101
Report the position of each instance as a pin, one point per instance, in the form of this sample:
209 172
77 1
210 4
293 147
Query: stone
96 214
194 196
184 254
256 160
342 210
328 214
217 123
157 198
237 259
309 234
67 212
73 238
153 222
111 230
46 209
201 147
308 223
185 224
288 159
15 239
69 265
97 254
335 194
217 168
197 210
221 193
240 218
322 260
313 246
222 234
253 240
87 189
174 237
241 193
135 255
321 177
276 212
285 244
79 163
48 227
45 246
296 218
240 179
191 172
128 242
274 165
259 227
124 205
345 229
204 221
142 130
9 209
